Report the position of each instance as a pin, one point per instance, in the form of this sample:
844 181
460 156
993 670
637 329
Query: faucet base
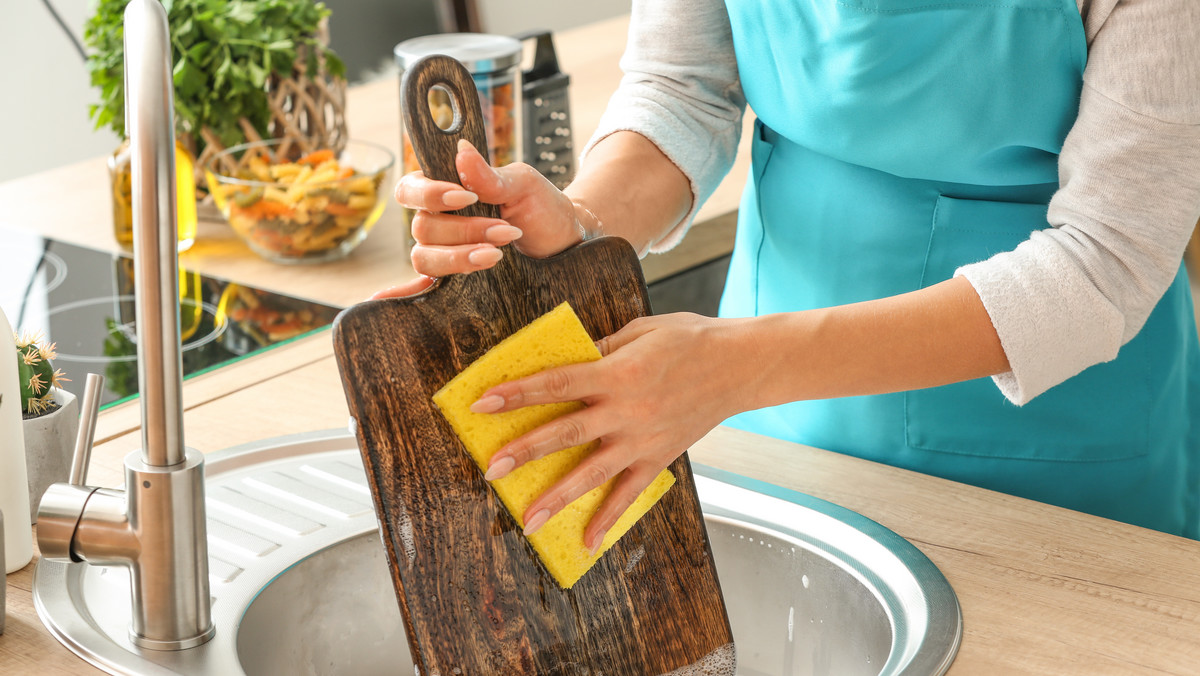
181 644
156 528
169 575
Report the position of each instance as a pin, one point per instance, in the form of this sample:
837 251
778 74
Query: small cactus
37 375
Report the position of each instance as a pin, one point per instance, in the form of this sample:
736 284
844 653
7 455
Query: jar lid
479 52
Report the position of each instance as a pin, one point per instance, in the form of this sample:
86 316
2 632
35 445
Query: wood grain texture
474 596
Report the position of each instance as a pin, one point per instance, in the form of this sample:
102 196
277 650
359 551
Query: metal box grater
546 113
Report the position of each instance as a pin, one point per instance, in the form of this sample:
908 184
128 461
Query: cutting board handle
434 147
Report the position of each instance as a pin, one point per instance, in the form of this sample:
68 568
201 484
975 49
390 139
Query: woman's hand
663 383
533 213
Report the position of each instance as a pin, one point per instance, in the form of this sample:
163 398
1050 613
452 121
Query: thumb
476 175
624 336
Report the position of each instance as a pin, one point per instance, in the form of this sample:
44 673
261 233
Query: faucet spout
149 122
157 526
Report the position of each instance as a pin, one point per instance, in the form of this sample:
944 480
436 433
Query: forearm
630 189
934 336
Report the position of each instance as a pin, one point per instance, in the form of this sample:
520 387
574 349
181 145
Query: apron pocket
1101 414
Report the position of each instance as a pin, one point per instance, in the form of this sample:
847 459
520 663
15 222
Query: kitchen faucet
156 526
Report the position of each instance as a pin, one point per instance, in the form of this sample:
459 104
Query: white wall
44 91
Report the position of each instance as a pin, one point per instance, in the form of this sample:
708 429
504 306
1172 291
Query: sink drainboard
300 582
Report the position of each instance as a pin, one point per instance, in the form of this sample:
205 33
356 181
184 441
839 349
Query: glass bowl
290 206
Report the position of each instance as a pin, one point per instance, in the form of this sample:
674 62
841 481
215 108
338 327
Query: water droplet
804 581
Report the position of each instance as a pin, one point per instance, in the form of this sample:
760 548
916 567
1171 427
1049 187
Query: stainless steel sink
300 582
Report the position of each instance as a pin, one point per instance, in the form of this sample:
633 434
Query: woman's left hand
663 383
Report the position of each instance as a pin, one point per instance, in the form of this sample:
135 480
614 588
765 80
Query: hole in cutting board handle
434 146
444 109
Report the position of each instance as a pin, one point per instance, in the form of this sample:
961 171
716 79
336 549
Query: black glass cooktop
82 300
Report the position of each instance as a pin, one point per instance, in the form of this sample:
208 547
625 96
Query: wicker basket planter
308 112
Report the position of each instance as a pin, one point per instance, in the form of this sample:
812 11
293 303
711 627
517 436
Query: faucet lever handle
88 412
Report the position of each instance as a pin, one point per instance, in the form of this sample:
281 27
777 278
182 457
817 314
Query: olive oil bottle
122 196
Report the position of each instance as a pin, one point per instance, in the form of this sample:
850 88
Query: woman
940 192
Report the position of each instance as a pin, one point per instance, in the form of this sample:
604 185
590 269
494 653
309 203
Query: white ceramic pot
49 444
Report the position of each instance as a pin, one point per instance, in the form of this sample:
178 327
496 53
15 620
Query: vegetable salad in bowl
293 207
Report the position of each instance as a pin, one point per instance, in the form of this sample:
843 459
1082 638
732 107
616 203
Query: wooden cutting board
475 598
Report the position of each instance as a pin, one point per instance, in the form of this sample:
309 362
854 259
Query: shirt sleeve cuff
1051 320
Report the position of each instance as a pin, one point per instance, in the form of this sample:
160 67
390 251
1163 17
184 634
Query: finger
493 185
609 344
568 431
631 483
477 175
439 261
593 472
573 382
409 288
447 230
625 335
417 192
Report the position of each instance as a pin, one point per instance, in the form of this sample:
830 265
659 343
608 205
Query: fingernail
500 469
488 404
537 521
599 542
503 234
464 144
485 256
457 199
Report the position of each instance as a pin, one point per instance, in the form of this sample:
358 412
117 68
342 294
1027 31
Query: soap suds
635 557
405 530
720 662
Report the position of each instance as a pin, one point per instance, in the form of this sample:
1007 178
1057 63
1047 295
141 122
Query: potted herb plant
50 418
244 70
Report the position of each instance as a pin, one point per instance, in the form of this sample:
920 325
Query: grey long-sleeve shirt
1072 294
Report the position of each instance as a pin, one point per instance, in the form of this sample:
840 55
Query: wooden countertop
1043 590
72 203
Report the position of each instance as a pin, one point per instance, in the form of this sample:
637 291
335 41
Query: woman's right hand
534 215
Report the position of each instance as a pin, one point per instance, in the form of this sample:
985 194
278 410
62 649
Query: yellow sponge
554 339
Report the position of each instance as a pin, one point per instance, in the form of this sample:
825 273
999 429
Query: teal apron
896 141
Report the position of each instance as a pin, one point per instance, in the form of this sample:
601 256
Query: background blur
44 85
